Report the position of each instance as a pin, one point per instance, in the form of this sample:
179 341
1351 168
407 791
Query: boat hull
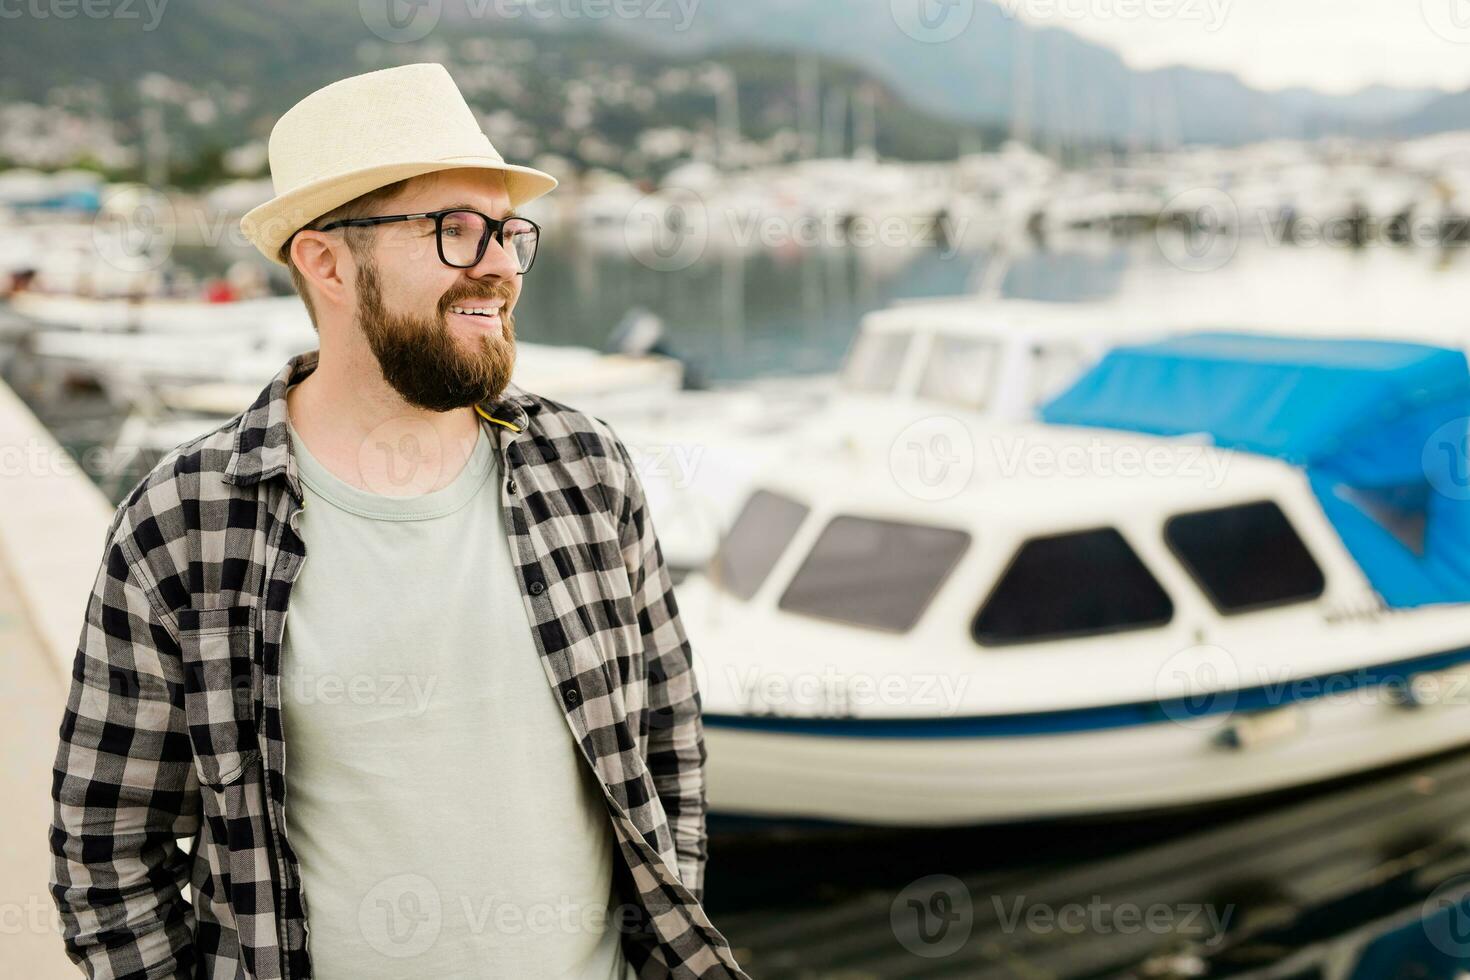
849 772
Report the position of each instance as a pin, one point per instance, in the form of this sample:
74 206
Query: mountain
1046 79
571 84
1442 114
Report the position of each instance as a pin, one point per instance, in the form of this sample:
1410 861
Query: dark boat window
879 574
1245 557
1082 583
764 528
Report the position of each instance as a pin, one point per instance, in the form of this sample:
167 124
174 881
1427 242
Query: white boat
698 450
1227 565
161 315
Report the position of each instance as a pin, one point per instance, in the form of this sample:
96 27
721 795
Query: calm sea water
794 310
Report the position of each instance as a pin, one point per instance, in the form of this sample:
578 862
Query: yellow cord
490 418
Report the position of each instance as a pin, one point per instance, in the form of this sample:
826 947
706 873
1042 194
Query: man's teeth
492 311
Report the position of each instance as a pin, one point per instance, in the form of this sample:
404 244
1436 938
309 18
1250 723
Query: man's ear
325 264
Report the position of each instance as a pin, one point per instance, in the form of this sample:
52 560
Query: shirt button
572 695
510 487
538 587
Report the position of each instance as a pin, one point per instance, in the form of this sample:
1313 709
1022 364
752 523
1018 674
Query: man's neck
364 433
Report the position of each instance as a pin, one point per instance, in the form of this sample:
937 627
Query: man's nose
496 263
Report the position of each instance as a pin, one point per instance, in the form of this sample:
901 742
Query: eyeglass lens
461 232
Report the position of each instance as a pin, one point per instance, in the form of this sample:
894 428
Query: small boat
994 358
1219 565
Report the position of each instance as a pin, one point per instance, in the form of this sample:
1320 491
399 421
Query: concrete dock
52 524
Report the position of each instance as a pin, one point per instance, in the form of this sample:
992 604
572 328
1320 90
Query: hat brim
269 226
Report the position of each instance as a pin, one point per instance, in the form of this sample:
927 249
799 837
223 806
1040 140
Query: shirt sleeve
676 751
123 788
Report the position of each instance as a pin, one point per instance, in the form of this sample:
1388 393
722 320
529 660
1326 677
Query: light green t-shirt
445 822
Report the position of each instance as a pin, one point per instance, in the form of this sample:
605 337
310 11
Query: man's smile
480 314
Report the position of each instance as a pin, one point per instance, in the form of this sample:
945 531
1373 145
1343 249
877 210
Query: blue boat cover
1381 429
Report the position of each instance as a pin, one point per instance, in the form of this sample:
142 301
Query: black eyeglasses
463 235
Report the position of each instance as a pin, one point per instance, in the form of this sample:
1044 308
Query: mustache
497 291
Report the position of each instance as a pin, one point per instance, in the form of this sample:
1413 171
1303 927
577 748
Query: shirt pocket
220 684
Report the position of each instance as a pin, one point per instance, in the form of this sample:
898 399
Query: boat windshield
875 361
960 371
874 573
763 529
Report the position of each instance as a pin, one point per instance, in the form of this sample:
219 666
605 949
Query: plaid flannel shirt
173 731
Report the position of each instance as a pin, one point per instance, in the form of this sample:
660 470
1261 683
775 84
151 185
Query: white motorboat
1225 564
698 450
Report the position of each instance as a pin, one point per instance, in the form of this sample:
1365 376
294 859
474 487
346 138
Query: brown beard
420 357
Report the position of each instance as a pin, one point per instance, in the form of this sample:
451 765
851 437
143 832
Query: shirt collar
262 447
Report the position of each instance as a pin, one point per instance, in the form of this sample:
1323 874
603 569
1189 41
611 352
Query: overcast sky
1334 45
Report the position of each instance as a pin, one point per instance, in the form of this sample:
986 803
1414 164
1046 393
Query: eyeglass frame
493 227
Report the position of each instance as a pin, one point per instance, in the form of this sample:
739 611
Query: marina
1061 463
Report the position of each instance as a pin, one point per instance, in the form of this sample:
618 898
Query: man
474 746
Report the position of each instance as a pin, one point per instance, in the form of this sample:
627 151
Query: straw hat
367 131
